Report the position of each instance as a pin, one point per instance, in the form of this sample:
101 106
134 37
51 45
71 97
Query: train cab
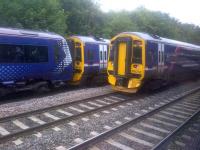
89 57
126 65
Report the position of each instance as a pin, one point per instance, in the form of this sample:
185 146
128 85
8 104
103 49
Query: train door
76 48
161 64
122 59
103 56
77 57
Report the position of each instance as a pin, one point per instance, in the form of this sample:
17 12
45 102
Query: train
139 60
90 58
30 60
35 60
129 61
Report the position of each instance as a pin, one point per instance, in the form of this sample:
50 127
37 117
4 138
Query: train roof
91 39
28 33
151 37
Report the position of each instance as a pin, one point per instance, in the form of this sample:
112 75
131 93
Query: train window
78 54
11 53
111 57
56 52
105 55
159 56
23 54
137 55
71 47
36 54
78 44
101 55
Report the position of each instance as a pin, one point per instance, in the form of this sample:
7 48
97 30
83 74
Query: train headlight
137 85
133 83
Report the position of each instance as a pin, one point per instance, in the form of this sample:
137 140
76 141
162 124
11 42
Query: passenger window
23 54
36 54
137 55
101 55
71 47
78 54
12 53
105 55
159 56
56 53
111 57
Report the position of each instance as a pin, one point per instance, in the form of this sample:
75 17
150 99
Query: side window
12 53
56 52
23 54
92 55
71 47
137 55
43 54
36 54
77 51
105 55
101 55
78 54
111 57
159 56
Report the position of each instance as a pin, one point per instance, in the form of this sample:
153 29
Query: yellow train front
139 59
126 62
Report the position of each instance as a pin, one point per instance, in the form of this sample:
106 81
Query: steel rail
113 131
172 134
60 121
38 111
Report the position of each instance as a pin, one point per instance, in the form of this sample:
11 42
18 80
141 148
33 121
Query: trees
33 14
84 17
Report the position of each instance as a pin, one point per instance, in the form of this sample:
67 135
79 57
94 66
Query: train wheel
2 92
43 89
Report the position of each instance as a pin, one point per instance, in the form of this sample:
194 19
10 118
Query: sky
186 11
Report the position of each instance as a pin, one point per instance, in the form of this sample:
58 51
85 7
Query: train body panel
149 58
89 57
27 57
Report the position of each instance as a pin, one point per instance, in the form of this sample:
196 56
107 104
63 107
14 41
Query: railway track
150 130
171 138
186 137
29 122
42 122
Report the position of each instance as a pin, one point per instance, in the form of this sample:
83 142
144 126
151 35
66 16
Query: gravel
47 101
65 137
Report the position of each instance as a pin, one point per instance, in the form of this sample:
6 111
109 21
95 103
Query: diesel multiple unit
32 59
90 58
137 59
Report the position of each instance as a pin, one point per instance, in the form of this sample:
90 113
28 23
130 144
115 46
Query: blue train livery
31 59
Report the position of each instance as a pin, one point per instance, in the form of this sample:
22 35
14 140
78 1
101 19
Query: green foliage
33 14
85 17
